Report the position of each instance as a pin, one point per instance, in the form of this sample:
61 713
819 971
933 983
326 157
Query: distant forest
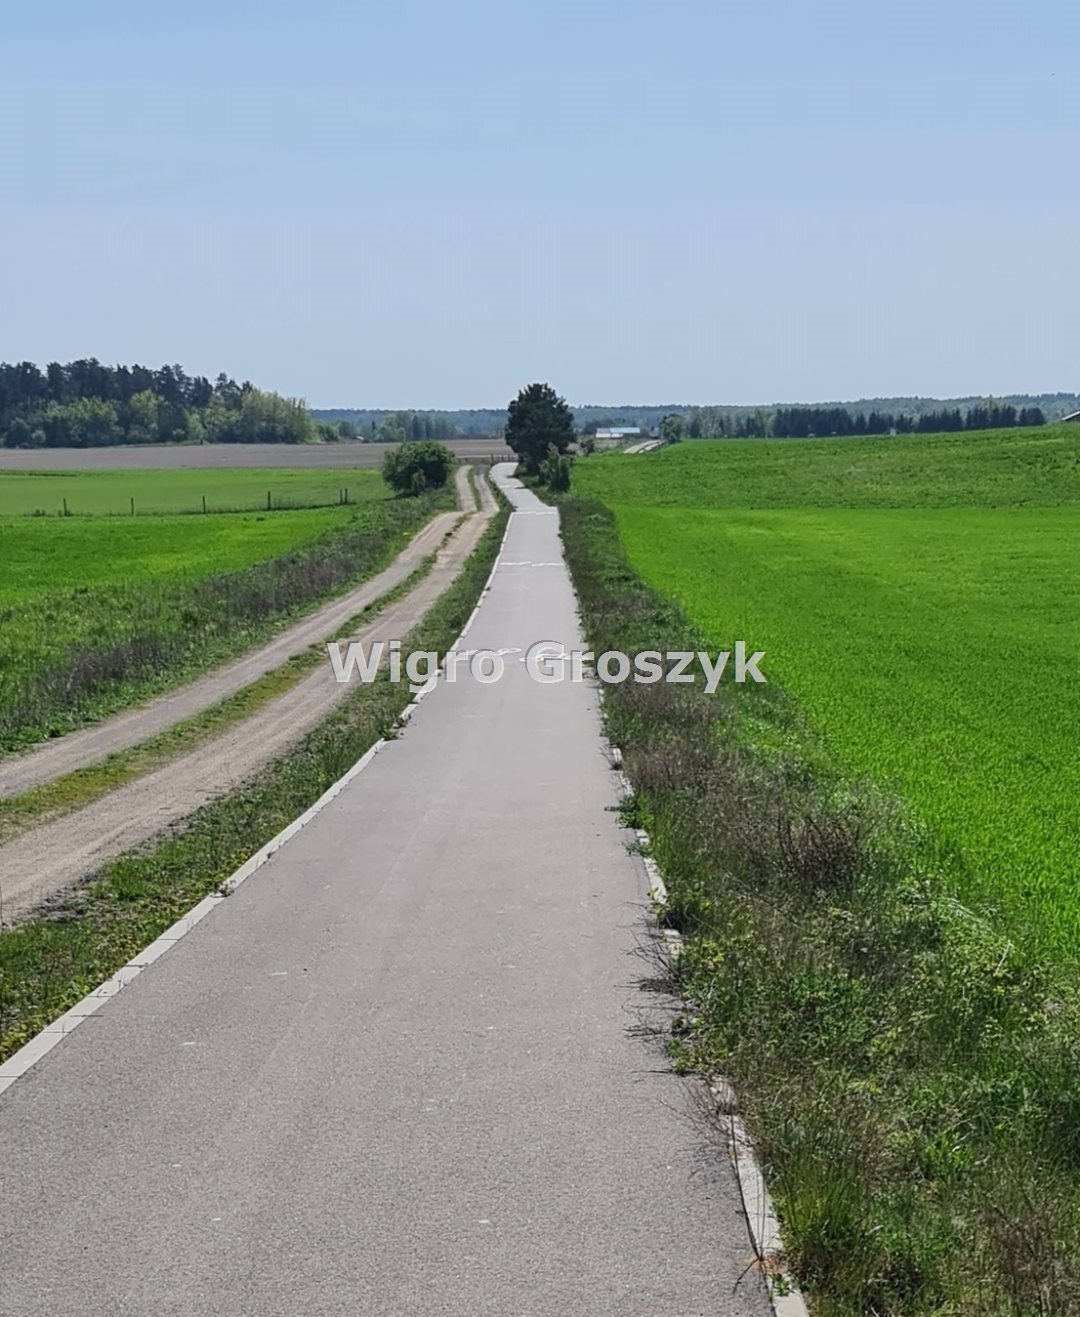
87 405
403 427
381 426
808 422
802 422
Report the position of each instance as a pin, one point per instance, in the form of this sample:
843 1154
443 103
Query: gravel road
89 745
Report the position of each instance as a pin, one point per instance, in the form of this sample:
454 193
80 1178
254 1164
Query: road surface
396 1074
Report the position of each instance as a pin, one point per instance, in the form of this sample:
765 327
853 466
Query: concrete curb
761 1219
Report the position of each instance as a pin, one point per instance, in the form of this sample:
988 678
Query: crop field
102 493
919 600
97 611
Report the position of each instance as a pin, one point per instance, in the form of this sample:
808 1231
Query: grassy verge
70 658
19 814
50 962
912 1080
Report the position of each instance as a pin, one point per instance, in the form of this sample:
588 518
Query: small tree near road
538 419
416 468
671 428
555 471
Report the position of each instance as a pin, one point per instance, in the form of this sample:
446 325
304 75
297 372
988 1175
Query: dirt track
42 862
173 457
487 498
90 745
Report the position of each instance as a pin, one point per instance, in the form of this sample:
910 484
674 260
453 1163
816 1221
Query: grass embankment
50 962
99 613
912 1080
115 493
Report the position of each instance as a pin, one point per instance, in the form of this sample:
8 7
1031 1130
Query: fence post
66 513
204 502
268 507
132 507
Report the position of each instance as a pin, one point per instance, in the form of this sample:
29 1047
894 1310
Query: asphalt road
397 1072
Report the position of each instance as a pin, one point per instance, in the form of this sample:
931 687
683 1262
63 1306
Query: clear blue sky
421 203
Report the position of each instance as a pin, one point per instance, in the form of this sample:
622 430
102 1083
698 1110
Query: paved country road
395 1074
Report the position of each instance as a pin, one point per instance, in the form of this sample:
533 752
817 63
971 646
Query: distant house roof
617 431
1072 416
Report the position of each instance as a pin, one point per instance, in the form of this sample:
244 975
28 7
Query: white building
618 432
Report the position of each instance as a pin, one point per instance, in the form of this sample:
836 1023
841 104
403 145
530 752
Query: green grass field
46 559
99 493
919 599
97 611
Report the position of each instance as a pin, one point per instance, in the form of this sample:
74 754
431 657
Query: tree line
413 424
409 427
85 404
808 422
804 422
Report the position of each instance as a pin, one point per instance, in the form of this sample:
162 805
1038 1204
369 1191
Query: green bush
555 471
416 468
